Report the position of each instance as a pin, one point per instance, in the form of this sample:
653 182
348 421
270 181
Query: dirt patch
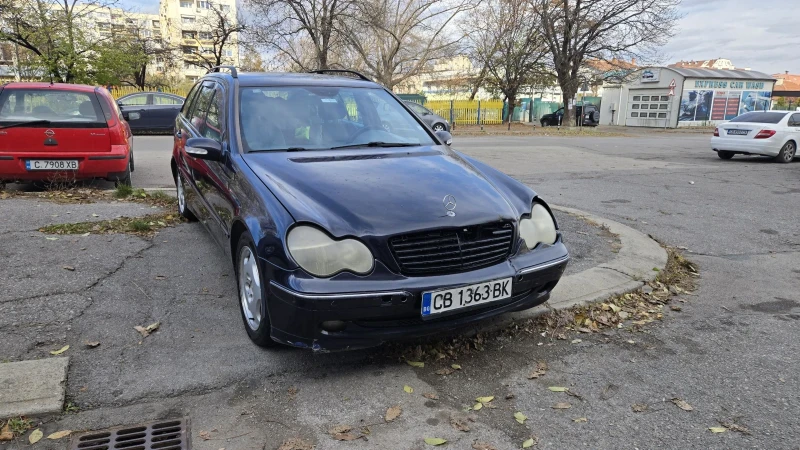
528 130
140 226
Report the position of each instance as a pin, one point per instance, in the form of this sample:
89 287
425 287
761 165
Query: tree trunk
512 101
569 93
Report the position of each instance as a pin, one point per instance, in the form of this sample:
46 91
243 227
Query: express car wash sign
706 101
708 84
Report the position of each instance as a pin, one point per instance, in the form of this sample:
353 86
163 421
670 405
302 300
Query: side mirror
445 137
204 148
134 116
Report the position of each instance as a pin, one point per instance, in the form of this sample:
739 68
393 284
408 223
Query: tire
252 293
786 155
180 190
544 123
133 167
125 179
724 154
438 126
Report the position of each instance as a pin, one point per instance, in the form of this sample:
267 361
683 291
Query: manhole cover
164 435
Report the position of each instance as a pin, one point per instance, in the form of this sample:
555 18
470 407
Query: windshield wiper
32 122
378 144
288 149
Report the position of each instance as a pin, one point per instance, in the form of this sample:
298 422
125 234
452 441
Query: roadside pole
669 105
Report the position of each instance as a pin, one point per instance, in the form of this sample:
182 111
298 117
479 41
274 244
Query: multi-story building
189 25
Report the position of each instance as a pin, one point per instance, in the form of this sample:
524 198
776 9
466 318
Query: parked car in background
590 114
154 111
344 234
553 119
62 132
767 133
435 121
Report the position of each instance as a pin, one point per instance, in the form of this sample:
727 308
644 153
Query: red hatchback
62 132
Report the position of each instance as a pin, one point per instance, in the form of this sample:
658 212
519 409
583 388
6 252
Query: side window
794 121
200 107
212 128
160 99
189 102
134 100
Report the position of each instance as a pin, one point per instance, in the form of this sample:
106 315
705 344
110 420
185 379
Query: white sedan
768 133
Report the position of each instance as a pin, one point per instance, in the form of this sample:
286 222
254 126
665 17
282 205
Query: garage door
648 108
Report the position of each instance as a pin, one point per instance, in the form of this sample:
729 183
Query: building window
644 106
189 50
653 106
103 26
634 114
645 98
189 35
187 19
635 106
665 98
665 106
653 115
637 98
206 35
228 52
203 4
156 23
186 4
662 115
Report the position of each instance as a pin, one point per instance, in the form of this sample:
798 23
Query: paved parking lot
731 352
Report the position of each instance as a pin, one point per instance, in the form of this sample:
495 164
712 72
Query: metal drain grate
164 435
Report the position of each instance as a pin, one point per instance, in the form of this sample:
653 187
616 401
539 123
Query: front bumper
90 165
766 147
385 311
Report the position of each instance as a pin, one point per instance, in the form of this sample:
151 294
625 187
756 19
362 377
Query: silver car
435 121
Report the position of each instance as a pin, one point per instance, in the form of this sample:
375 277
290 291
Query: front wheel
180 189
725 155
786 155
438 127
252 293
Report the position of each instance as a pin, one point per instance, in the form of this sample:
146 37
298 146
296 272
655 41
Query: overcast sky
759 34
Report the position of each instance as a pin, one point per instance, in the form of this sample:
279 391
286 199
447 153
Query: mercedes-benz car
766 133
344 234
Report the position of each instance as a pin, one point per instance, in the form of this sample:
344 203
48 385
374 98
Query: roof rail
234 74
341 71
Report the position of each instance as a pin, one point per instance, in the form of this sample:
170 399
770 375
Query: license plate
738 132
51 164
447 300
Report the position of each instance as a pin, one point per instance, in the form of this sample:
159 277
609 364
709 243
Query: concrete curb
33 388
628 271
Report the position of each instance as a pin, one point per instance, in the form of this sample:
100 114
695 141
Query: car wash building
677 97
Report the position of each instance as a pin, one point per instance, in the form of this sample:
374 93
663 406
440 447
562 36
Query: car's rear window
60 108
760 117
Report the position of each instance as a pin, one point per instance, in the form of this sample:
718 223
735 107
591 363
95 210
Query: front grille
454 249
166 435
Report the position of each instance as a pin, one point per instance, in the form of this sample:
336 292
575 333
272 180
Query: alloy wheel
788 152
250 288
438 127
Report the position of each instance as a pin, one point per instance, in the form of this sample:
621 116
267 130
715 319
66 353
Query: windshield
324 117
760 117
50 107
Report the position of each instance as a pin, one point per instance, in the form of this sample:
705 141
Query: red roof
786 82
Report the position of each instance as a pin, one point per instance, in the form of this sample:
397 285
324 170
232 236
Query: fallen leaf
59 434
92 344
456 366
51 238
577 341
459 423
623 315
70 268
345 437
86 234
630 342
521 418
541 369
296 443
484 399
557 388
483 446
35 436
435 441
445 371
574 394
59 351
529 443
95 215
614 307
682 404
7 435
408 389
580 420
561 405
638 407
145 331
415 363
393 413
718 429
339 429
205 435
431 396
160 277
477 406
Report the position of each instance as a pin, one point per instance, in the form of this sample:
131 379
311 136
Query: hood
381 192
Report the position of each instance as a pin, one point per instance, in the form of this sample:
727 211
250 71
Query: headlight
320 255
539 228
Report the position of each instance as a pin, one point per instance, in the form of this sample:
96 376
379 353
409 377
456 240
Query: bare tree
603 29
222 32
397 39
506 43
305 33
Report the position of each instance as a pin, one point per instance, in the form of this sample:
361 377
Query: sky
757 34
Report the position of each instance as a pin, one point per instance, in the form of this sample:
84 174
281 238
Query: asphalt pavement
731 352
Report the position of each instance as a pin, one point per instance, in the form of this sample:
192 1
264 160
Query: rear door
165 108
136 103
61 121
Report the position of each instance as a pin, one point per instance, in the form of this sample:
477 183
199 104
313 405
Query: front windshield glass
324 117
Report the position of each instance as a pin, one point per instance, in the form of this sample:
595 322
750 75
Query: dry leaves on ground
733 426
431 395
541 369
580 420
682 404
146 331
205 435
342 433
92 344
6 434
415 363
561 405
483 446
639 407
393 413
459 423
435 441
408 389
717 429
530 442
59 434
519 417
444 371
296 443
59 351
35 436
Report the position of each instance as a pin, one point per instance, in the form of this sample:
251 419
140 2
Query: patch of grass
71 407
19 425
145 226
123 191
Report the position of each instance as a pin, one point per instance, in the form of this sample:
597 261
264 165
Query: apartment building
189 25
